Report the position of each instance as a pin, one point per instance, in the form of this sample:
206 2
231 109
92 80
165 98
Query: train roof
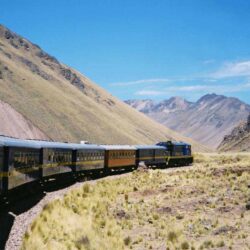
166 143
66 145
118 147
181 144
52 144
88 146
14 142
149 147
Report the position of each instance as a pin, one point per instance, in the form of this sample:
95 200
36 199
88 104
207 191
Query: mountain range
42 98
207 121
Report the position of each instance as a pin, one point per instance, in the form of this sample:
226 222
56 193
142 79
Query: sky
141 49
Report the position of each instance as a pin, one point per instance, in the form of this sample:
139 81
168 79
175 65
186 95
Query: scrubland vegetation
200 207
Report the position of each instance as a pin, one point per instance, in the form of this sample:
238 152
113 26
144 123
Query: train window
24 158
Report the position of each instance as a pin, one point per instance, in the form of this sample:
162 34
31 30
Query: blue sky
144 49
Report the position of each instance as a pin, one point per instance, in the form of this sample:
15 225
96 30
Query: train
27 162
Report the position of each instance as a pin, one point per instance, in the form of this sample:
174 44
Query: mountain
52 100
207 121
238 139
167 106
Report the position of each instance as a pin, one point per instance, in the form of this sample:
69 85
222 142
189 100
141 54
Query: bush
172 236
127 241
184 245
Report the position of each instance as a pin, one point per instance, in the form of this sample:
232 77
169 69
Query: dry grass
187 208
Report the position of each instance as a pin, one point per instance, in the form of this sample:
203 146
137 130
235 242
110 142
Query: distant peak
209 97
177 98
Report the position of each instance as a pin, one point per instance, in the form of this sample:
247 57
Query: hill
238 139
65 105
207 121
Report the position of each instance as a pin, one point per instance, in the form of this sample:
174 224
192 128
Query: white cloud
236 69
192 89
149 92
154 80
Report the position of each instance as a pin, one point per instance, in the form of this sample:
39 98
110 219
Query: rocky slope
64 104
238 139
207 121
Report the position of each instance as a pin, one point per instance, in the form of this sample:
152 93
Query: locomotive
26 162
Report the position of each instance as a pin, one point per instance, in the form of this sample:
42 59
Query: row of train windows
63 157
90 155
122 155
89 158
25 159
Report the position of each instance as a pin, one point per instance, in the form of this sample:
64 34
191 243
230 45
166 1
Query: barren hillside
64 104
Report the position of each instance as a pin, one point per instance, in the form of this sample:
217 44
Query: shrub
127 241
86 188
172 236
184 245
220 244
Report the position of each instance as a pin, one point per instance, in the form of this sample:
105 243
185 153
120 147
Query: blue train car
151 155
20 162
88 157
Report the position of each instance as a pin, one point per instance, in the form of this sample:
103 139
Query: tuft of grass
172 236
184 245
127 241
221 243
